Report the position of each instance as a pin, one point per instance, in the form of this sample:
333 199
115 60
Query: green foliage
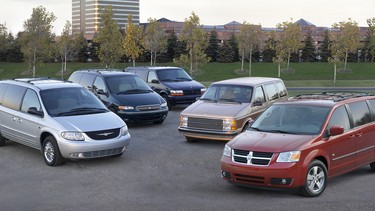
308 52
37 39
325 51
234 44
133 40
226 53
154 40
370 40
109 37
213 46
249 38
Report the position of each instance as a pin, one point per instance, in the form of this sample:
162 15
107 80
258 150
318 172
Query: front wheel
316 179
165 97
51 152
2 140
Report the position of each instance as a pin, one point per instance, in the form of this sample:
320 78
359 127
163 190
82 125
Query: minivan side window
360 112
13 96
259 95
3 88
271 91
87 80
99 84
76 77
151 76
340 118
30 100
281 88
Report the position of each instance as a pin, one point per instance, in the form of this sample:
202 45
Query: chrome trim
352 153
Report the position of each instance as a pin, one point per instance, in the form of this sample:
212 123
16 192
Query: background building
86 19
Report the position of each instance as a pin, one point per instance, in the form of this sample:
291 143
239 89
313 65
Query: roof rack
333 96
31 80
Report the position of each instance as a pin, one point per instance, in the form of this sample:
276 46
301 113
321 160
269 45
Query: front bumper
143 116
212 135
276 175
93 148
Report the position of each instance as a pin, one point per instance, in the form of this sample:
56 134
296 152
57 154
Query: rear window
13 96
360 112
87 80
76 77
271 91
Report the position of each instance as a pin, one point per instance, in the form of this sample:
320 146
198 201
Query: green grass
305 74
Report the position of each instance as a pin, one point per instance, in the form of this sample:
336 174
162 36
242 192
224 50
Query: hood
91 122
183 85
269 142
212 109
138 99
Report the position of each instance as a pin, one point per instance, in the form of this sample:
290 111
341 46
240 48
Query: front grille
202 123
103 153
252 158
103 134
192 92
248 179
148 107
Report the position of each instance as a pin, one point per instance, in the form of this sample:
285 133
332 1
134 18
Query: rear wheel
372 166
2 140
51 152
316 179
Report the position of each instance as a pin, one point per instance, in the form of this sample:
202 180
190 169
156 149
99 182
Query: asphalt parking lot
160 171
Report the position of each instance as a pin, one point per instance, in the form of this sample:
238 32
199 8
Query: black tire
372 165
165 97
51 152
190 139
2 140
316 179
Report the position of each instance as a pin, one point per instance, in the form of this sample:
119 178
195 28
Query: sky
267 13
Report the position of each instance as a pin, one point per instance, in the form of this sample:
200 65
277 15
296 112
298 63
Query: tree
109 37
4 45
289 40
325 51
336 57
308 52
234 44
14 53
37 38
133 39
194 36
172 46
213 46
248 38
226 53
348 39
65 46
155 39
269 49
371 39
81 48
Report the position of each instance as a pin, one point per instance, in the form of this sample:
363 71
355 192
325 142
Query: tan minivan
227 107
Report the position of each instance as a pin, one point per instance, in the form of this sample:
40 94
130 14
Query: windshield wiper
184 79
208 99
134 91
255 128
279 131
168 79
83 110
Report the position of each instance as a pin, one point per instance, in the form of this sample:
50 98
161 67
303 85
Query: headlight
124 131
289 157
229 124
184 121
227 151
126 108
73 136
163 105
177 92
203 90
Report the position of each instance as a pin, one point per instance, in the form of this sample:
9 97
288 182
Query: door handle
359 134
351 136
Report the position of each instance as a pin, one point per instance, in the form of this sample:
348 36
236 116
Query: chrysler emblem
105 134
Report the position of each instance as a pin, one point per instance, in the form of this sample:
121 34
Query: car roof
327 99
42 83
106 72
153 68
248 81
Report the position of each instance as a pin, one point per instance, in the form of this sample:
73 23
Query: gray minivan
60 118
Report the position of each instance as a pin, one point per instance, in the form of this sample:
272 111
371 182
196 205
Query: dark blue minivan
172 83
126 94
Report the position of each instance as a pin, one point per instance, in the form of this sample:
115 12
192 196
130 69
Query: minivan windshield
71 101
228 93
173 75
127 84
291 119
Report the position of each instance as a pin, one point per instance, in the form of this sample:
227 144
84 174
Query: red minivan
303 141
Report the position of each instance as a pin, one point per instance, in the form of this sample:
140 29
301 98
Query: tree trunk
133 62
191 61
242 60
151 59
346 60
278 70
287 68
250 57
334 74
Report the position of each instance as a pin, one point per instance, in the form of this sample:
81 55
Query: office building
86 14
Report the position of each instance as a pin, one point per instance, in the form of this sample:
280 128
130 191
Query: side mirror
154 81
336 130
34 111
257 103
101 92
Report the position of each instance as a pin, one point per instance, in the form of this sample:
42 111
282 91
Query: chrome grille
103 153
202 123
252 158
148 107
192 92
103 134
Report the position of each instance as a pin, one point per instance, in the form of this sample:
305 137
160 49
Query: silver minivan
60 118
